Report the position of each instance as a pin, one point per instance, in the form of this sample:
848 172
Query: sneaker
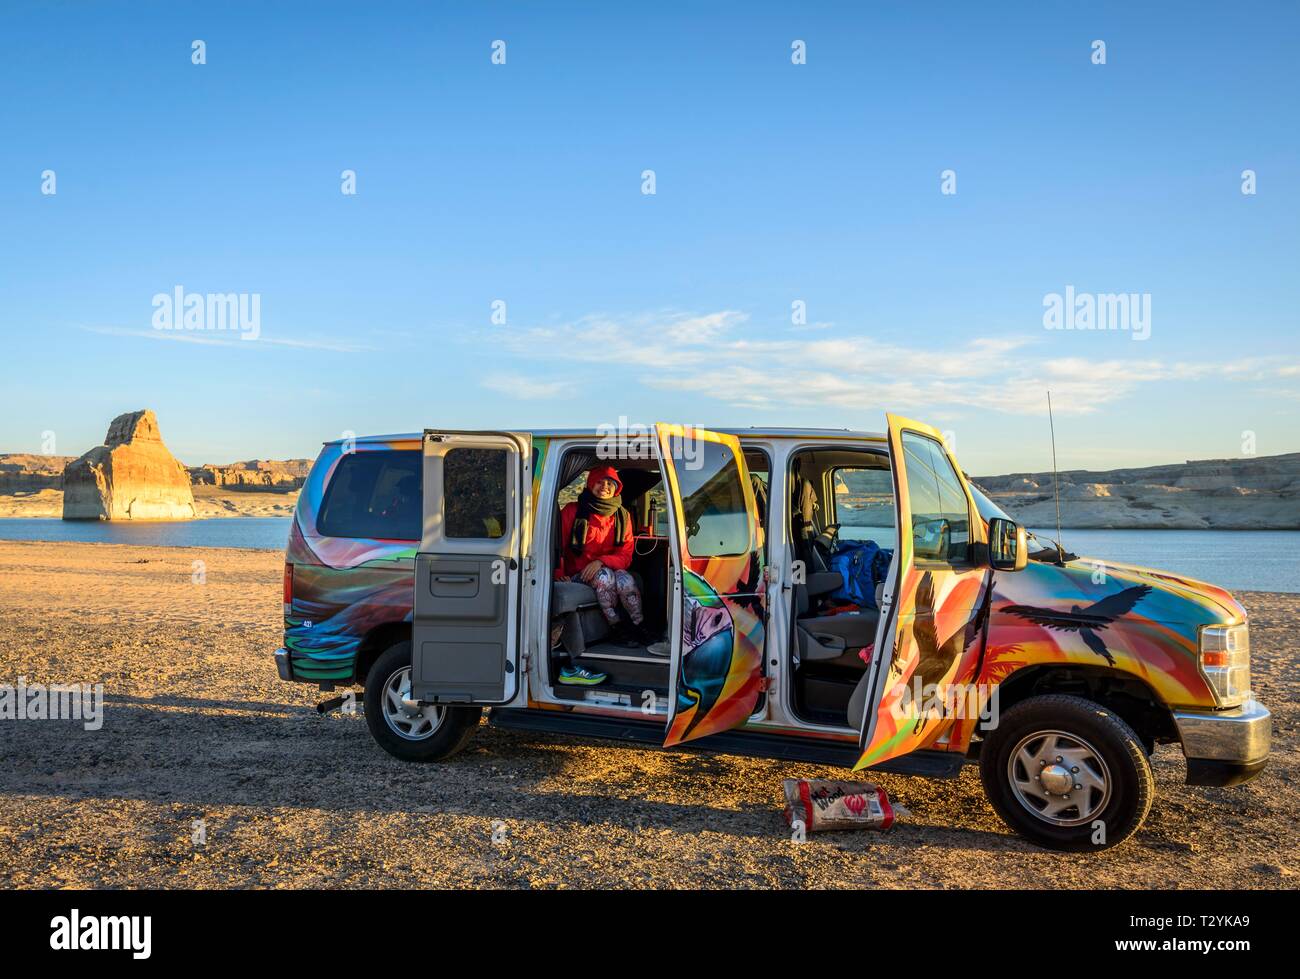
576 677
660 648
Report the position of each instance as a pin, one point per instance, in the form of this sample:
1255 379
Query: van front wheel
1067 773
424 734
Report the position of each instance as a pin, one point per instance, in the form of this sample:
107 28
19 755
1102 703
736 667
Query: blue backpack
861 566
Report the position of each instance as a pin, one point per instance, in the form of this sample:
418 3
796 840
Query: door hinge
766 684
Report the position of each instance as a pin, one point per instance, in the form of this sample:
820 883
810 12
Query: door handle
454 579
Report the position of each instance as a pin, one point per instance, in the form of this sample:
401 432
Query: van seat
857 701
576 606
856 629
831 638
569 596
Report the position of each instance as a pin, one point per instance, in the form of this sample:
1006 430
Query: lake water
1242 560
271 533
1239 560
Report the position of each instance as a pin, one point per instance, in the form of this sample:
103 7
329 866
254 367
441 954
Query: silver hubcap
1059 777
413 725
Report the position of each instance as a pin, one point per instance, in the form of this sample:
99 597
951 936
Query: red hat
597 473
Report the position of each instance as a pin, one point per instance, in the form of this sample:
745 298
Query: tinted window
474 492
940 519
713 498
374 494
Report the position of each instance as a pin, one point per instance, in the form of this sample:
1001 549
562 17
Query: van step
752 744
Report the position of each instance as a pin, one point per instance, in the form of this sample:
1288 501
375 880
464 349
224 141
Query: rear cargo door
717 621
466 628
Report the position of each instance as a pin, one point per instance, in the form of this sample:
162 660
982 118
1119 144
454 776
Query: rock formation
23 472
131 476
1248 493
256 474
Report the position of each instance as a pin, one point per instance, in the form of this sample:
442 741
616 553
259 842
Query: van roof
753 432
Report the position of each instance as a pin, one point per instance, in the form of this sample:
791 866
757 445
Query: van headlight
1225 661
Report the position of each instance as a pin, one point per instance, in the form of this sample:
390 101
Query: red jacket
599 545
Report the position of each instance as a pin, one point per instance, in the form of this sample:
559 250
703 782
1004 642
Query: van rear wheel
1067 773
426 734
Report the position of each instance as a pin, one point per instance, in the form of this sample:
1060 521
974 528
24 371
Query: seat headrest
806 505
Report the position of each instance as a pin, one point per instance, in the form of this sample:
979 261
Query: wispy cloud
719 356
526 388
228 339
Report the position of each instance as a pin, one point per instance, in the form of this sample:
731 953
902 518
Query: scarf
589 503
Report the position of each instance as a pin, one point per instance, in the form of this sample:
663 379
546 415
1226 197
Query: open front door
716 625
469 569
928 640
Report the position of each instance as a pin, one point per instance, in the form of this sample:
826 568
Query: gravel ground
198 727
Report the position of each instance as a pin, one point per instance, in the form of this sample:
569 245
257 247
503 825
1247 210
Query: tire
435 734
1115 788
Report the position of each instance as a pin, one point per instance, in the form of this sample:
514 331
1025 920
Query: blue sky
775 183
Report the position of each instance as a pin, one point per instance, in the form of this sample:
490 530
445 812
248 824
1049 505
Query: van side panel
1140 622
343 588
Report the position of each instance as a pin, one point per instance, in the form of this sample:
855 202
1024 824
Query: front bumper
1225 747
282 664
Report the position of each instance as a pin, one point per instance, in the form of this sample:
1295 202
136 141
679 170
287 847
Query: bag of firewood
822 804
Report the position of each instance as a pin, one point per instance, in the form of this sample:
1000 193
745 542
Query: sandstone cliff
24 472
1259 493
255 474
131 476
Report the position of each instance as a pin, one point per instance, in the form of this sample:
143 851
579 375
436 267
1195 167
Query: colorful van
831 597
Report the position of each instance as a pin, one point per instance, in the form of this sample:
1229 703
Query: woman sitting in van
596 534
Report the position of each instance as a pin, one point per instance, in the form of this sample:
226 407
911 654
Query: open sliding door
717 615
469 569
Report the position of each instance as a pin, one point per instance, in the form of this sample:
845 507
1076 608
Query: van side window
940 514
374 495
474 493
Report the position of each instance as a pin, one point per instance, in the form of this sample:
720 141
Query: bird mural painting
1088 620
936 658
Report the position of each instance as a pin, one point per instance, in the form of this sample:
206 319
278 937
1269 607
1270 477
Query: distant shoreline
1039 530
1244 493
1247 493
210 502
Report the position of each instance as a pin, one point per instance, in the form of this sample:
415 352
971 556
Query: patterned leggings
612 587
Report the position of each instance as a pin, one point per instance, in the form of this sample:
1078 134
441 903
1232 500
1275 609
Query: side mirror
1008 548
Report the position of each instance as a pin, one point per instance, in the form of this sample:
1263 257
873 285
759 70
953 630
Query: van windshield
988 510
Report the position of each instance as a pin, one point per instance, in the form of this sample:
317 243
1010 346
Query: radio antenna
1056 485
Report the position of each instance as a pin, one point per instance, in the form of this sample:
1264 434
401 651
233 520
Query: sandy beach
198 727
